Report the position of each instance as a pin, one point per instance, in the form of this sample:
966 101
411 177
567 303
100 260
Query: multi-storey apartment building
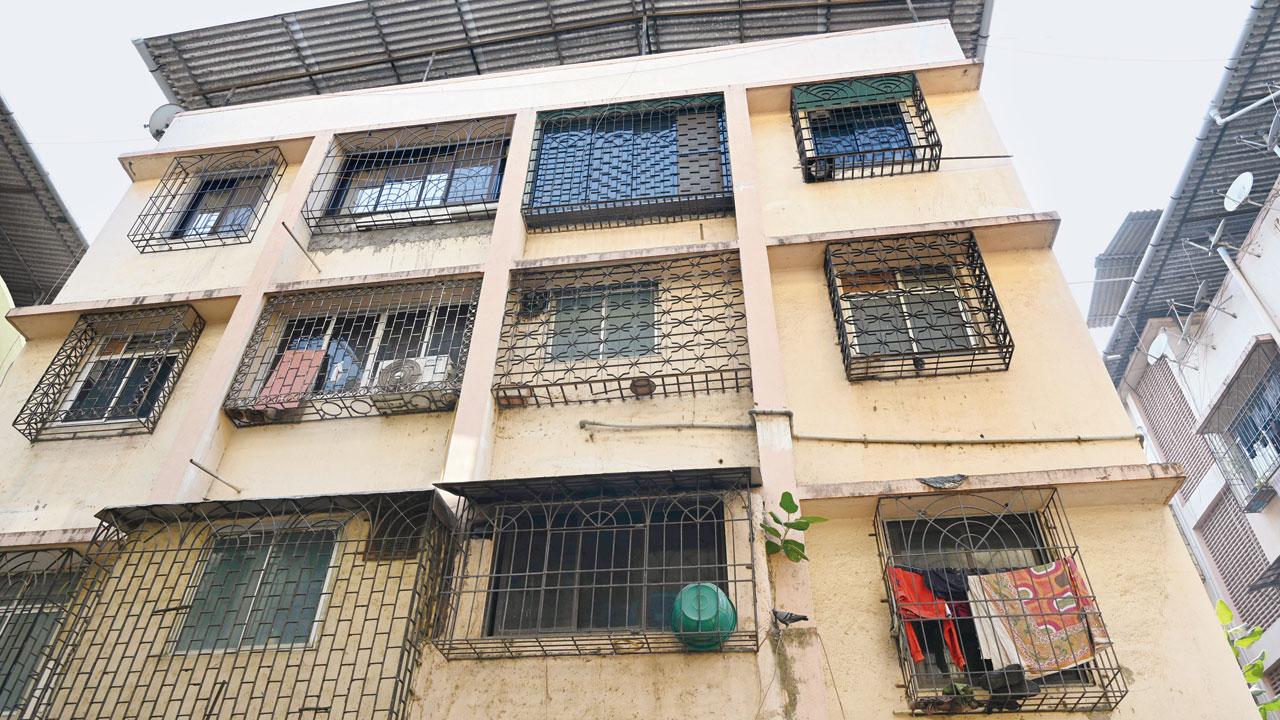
1192 350
489 397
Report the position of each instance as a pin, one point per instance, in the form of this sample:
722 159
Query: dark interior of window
861 135
221 205
412 178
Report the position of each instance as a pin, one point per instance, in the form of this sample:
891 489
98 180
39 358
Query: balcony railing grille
592 565
1243 429
36 587
209 200
990 605
864 127
352 352
113 375
628 164
629 331
438 173
249 609
914 306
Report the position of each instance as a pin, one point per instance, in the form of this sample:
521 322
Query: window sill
631 211
325 222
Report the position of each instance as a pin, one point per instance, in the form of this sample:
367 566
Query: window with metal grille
652 161
209 200
438 173
864 127
914 306
112 375
675 326
250 609
35 588
378 350
1243 428
991 607
591 565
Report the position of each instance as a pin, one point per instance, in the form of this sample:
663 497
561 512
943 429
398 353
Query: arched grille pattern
209 200
633 163
914 306
864 127
305 607
990 605
351 352
629 331
113 375
591 565
1243 429
438 173
36 588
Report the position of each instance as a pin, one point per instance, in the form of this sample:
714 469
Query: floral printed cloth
1041 617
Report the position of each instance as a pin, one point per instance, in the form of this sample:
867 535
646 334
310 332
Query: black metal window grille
209 200
378 350
915 306
249 609
636 330
35 588
990 605
587 566
1243 429
113 375
864 127
635 163
439 173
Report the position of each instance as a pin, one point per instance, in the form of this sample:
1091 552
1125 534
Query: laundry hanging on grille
916 603
294 375
1042 617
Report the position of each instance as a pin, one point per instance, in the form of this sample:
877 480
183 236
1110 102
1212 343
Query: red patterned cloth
917 602
293 375
1042 617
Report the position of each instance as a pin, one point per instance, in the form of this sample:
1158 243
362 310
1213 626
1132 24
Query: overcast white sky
1098 100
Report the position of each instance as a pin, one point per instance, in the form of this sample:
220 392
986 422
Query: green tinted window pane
22 640
879 324
937 321
575 334
221 602
629 323
288 599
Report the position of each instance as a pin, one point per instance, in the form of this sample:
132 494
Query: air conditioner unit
398 384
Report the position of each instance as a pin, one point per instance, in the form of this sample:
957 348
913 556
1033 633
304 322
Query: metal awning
39 243
387 42
1176 268
1115 266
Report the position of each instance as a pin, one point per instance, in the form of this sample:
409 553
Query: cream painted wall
10 339
61 484
1170 650
1055 387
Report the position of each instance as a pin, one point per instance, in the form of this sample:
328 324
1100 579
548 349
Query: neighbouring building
488 396
1192 296
39 243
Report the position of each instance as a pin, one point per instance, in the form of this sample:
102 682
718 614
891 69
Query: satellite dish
1159 347
1202 295
1216 239
1238 192
161 118
1273 133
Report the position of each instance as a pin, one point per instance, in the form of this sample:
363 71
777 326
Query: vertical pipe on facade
984 30
1209 125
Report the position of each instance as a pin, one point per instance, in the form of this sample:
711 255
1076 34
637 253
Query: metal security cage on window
1243 428
113 375
592 565
300 607
439 173
634 163
209 200
915 305
864 127
36 587
352 352
628 331
990 605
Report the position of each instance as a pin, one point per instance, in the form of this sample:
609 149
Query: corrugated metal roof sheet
39 244
1118 263
1177 268
385 42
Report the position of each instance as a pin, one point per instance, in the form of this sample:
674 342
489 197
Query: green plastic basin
703 617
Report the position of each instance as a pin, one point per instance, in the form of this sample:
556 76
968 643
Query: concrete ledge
41 538
352 281
1108 485
604 258
46 321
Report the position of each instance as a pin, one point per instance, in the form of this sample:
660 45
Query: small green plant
1241 637
777 530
